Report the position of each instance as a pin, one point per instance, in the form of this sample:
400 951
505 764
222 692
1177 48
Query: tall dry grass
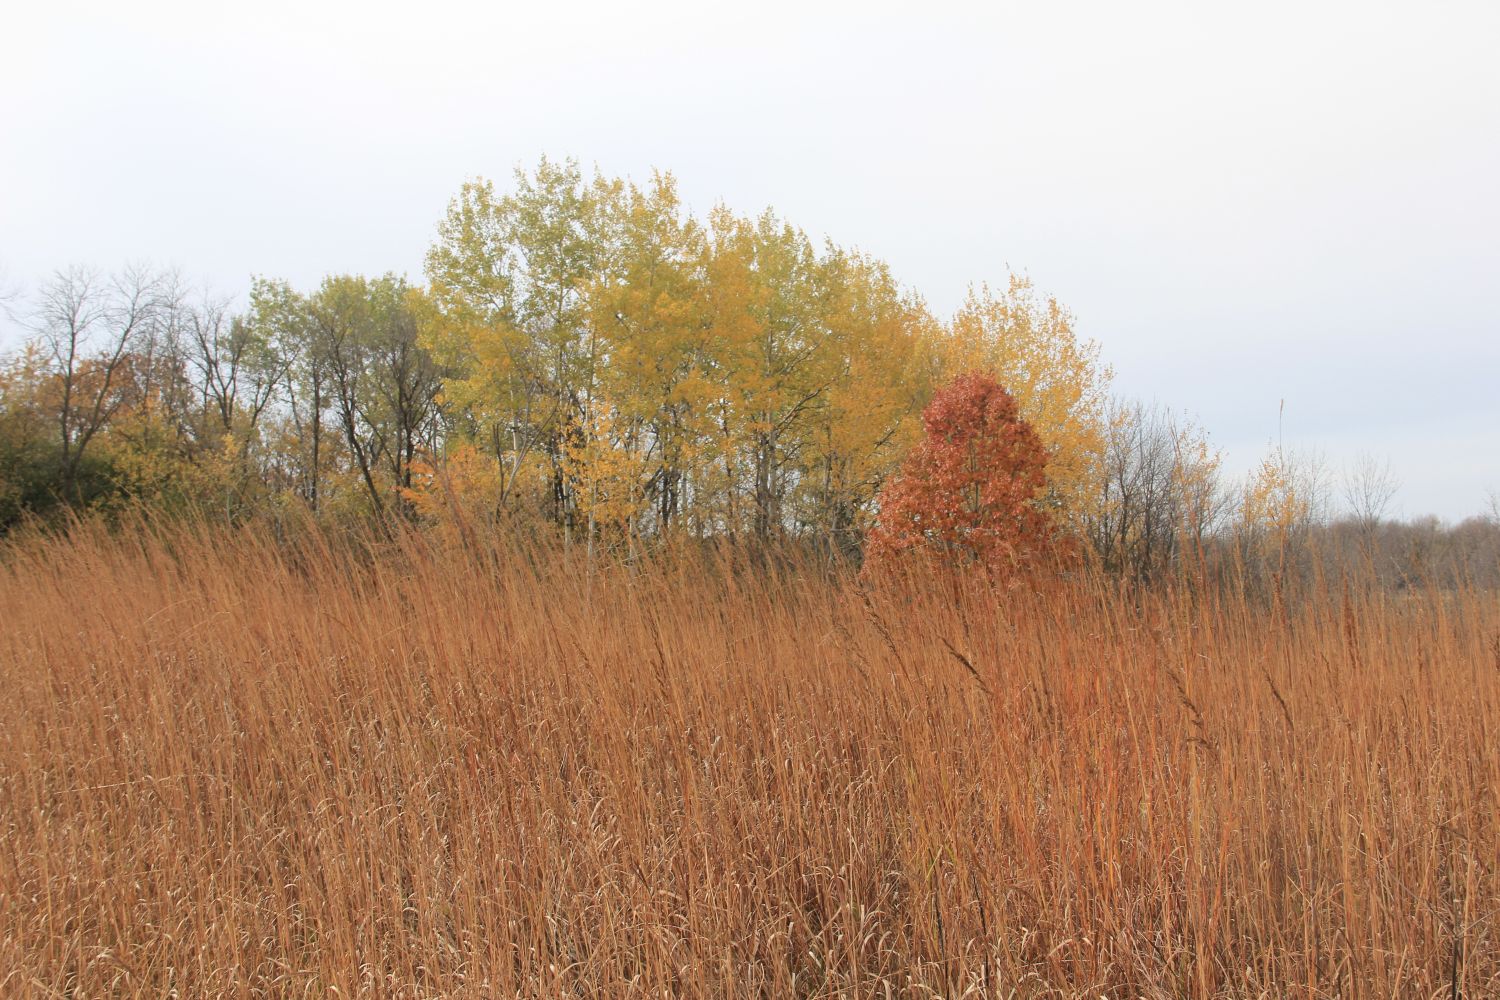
232 766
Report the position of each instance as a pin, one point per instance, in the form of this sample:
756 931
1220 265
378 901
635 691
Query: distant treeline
588 359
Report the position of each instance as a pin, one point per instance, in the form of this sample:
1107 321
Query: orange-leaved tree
968 490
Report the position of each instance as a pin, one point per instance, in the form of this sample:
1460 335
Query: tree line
586 357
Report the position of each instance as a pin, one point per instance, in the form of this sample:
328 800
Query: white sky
1242 203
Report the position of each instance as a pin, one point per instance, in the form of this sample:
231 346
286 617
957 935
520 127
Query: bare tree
407 383
234 367
341 321
89 324
1161 492
1369 488
1313 479
385 385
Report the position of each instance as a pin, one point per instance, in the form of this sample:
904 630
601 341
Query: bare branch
89 325
1369 488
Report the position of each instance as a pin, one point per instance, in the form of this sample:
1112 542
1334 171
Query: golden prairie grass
232 766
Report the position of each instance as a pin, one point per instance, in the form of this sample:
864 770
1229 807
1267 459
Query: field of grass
231 766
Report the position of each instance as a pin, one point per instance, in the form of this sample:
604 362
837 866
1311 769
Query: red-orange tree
968 491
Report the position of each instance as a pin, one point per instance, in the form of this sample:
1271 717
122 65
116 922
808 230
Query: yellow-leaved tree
509 277
879 342
654 349
774 359
1061 387
1275 504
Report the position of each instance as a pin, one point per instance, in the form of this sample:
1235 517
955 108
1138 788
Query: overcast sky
1242 204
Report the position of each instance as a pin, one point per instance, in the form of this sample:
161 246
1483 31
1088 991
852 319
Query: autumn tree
509 276
149 397
384 385
823 363
654 354
879 348
772 359
351 349
968 492
1282 505
281 320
